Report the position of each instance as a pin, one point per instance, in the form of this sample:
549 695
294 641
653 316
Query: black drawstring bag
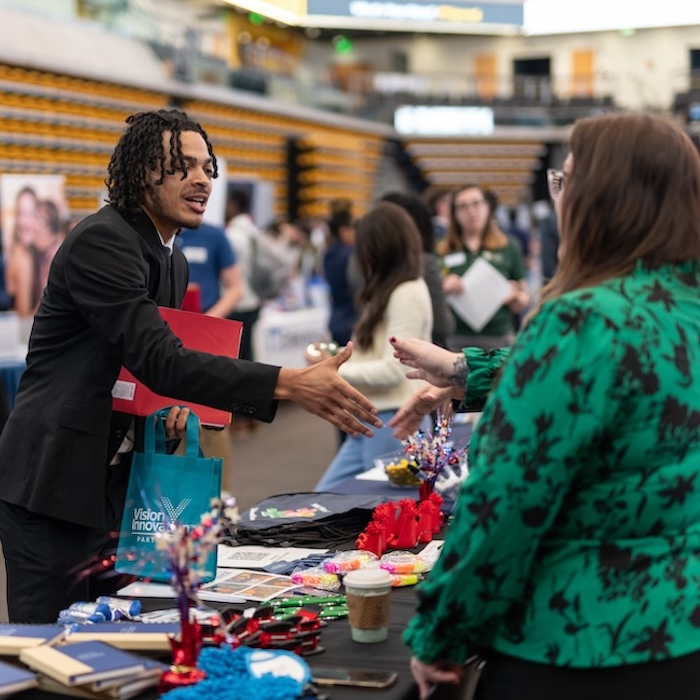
306 519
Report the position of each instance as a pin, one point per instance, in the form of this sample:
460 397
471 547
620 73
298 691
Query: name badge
455 259
195 254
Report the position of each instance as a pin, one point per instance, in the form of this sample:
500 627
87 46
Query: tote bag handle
154 433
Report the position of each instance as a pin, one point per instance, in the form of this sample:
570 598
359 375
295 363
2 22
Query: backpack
269 270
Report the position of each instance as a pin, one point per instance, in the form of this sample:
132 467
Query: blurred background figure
341 235
213 269
415 207
20 273
5 299
393 299
48 236
474 233
241 231
303 257
518 234
438 201
549 246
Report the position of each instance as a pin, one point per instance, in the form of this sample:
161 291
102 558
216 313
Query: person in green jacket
573 559
474 234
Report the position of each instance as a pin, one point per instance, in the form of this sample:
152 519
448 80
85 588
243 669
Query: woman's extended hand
421 403
428 675
440 367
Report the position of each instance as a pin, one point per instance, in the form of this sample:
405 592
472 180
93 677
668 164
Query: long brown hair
492 238
633 195
389 251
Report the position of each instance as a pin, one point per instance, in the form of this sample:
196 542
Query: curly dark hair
140 149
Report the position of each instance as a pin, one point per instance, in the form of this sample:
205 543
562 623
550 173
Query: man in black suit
64 459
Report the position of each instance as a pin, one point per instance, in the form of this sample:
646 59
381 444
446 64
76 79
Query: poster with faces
33 216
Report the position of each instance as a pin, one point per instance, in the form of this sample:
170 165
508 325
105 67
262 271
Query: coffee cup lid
367 578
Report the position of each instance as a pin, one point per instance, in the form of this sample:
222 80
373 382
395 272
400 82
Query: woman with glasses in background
573 559
473 233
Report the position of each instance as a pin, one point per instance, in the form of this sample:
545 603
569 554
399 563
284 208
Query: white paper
431 552
377 473
256 557
143 589
485 290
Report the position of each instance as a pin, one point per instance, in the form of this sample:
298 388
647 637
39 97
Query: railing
521 100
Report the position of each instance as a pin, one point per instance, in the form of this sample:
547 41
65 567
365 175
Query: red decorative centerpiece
406 523
433 452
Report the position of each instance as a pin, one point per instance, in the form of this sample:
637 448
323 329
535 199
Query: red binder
218 336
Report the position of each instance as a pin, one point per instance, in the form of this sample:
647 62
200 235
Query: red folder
217 336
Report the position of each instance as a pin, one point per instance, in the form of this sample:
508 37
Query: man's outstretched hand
320 390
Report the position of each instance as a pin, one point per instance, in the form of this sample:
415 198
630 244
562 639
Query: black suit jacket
99 312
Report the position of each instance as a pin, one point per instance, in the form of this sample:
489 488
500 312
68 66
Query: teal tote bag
163 490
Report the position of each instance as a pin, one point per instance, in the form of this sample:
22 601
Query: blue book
153 670
82 662
15 637
136 636
13 679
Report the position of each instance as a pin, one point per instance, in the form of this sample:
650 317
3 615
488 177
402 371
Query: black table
390 655
340 650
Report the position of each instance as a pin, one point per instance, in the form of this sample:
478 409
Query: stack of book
14 679
86 661
91 669
15 637
131 636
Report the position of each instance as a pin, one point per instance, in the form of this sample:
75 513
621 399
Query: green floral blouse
576 537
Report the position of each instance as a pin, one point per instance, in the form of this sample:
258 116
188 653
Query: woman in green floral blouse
573 561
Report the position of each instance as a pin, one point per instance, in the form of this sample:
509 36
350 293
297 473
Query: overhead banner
420 12
453 16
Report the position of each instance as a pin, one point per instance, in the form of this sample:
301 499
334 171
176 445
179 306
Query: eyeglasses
470 205
555 183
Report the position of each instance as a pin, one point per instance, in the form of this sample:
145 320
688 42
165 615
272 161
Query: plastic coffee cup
368 592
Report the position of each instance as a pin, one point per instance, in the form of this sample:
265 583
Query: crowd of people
570 561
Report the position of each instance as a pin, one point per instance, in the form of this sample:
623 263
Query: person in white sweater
394 301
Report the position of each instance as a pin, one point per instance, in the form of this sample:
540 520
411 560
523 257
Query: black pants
51 564
507 678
